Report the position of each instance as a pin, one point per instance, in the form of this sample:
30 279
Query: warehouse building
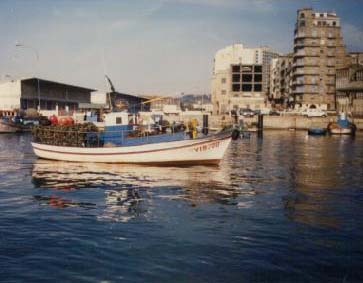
43 95
132 103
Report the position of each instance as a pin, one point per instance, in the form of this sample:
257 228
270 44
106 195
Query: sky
161 47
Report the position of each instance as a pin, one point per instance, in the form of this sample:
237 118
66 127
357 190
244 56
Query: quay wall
282 122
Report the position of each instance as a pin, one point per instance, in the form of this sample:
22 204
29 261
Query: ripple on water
284 208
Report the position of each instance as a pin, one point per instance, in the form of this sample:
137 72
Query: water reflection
305 176
122 205
66 175
321 177
127 188
59 202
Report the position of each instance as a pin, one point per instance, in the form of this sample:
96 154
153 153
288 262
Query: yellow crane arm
154 99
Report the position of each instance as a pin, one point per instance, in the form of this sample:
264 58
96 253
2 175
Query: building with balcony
241 78
349 86
318 51
281 80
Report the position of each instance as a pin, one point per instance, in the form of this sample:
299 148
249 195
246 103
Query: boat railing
108 138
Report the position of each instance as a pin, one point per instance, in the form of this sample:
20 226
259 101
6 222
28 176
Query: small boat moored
342 126
317 131
16 124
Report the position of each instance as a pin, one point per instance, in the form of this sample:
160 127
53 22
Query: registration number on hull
206 146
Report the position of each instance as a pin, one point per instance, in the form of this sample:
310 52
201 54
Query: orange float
66 121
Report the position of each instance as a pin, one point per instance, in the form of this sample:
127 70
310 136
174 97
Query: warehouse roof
48 82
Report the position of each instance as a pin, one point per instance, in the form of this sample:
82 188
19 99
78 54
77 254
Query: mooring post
260 125
205 124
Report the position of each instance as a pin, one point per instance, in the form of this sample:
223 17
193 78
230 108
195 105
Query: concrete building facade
40 94
349 86
281 80
318 51
241 78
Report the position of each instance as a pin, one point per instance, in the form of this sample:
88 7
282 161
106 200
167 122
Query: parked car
246 112
314 112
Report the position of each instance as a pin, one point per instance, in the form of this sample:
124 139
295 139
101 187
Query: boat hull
341 131
184 152
8 128
317 131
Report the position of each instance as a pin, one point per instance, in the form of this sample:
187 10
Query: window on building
258 78
247 87
236 68
302 23
236 87
334 24
258 68
246 77
236 78
49 105
246 69
118 120
23 104
223 80
258 87
322 15
302 15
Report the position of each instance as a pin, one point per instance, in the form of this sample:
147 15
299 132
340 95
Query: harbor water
284 208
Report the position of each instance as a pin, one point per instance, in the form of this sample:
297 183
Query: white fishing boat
205 150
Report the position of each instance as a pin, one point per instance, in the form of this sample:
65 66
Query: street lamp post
37 58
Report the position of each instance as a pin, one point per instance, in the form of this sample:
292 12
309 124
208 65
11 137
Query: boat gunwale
201 141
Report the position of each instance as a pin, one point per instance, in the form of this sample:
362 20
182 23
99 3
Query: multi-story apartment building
349 86
355 58
318 51
241 78
281 80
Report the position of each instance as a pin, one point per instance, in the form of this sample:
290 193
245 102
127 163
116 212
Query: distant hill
195 98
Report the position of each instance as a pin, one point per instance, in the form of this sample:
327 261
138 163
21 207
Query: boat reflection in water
129 190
